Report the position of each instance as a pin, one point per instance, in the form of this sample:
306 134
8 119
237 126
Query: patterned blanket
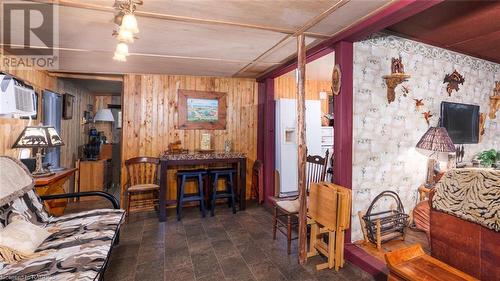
470 194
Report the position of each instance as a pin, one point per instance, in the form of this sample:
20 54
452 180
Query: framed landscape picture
201 110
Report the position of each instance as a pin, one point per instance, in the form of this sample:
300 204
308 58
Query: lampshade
129 22
125 35
436 139
104 115
119 57
122 49
38 136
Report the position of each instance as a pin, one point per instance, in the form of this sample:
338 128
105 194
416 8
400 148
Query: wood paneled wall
150 116
286 87
73 132
10 128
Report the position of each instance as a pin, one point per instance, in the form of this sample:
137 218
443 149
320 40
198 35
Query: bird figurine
427 116
418 104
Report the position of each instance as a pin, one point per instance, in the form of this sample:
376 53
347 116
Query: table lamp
38 138
436 139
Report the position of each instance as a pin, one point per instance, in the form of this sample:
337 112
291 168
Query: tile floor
223 247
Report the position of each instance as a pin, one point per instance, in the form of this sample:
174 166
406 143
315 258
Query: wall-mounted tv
461 121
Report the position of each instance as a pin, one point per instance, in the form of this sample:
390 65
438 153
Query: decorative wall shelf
494 106
392 81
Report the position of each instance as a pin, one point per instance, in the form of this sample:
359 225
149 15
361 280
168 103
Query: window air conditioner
16 98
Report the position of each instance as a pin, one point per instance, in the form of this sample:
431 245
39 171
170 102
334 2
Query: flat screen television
461 121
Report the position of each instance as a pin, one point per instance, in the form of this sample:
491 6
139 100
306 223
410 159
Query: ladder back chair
142 177
286 210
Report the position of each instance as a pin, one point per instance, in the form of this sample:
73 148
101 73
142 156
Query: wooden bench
412 264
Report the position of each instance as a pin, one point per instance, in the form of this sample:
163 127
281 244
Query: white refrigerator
286 140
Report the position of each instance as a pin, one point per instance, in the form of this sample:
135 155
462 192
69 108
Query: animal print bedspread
470 194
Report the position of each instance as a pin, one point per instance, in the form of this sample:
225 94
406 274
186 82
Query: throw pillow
22 237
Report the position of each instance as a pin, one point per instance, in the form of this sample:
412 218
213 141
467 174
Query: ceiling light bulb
129 22
125 35
119 57
122 49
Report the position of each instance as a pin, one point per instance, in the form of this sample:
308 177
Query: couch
465 221
80 244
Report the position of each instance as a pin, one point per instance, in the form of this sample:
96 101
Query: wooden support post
302 150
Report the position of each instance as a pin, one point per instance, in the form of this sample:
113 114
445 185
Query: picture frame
68 101
202 110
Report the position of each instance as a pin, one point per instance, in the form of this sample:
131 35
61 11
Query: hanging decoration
495 101
453 80
336 80
127 27
427 117
418 104
397 77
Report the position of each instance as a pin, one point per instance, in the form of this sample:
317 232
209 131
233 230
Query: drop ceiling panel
163 37
347 15
102 62
276 13
288 49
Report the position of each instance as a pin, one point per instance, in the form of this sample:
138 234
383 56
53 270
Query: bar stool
183 177
228 192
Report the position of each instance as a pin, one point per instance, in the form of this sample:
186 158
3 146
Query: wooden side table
54 185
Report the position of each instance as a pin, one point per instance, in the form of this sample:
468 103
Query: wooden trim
169 17
184 124
86 76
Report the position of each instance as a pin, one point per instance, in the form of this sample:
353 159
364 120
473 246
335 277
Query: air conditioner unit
16 98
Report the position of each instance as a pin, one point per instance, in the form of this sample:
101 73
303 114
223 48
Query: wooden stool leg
275 222
202 196
289 232
181 197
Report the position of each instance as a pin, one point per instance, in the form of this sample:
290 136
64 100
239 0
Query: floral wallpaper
385 135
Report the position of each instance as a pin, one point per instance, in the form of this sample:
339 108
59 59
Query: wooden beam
302 149
301 30
267 136
87 76
169 17
343 112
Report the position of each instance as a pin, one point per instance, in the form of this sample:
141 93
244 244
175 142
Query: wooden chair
258 181
142 177
289 208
